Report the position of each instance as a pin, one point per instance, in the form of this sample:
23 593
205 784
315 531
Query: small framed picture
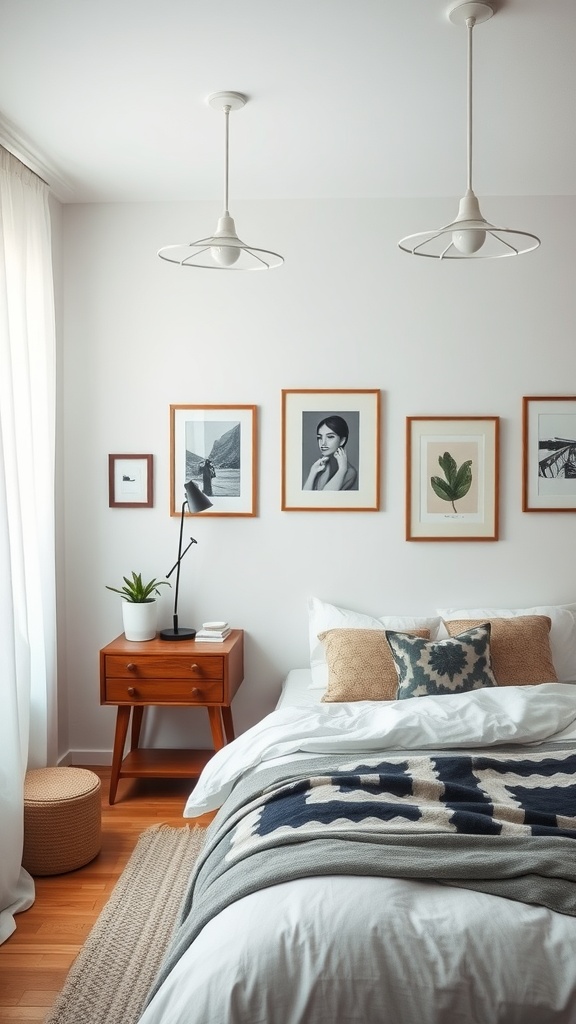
452 482
330 451
130 481
215 446
549 454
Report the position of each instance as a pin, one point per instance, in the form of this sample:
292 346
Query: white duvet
362 950
480 718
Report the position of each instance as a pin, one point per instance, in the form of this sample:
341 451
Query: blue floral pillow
454 665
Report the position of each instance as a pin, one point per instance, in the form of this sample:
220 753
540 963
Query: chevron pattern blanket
502 823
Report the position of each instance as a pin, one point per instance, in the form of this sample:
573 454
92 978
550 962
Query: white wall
347 309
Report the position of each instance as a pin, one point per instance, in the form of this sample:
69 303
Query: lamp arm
180 557
196 501
177 566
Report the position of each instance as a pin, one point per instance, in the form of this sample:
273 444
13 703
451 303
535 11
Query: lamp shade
196 499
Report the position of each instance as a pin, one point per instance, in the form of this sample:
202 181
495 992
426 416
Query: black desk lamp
197 502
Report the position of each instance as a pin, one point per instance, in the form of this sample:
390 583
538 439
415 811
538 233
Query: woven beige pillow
360 664
520 648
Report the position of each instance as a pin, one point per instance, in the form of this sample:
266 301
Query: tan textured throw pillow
360 664
520 648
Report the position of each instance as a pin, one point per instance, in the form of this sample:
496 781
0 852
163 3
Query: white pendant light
223 250
469 236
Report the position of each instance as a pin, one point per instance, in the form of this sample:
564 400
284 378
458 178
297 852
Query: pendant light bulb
468 242
468 239
226 255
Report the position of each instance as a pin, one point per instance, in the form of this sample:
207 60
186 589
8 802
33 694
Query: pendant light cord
226 148
470 22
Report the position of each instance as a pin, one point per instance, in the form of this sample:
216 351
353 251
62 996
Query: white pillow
323 616
562 630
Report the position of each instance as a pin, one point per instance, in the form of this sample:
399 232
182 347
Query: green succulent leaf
137 592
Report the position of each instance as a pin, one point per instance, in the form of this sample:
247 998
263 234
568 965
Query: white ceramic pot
139 618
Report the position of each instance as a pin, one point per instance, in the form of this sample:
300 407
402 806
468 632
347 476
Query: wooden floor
35 960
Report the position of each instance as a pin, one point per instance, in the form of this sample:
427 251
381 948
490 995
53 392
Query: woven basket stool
62 822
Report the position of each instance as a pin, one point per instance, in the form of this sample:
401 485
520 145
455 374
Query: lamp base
182 634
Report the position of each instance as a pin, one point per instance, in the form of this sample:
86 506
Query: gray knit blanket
503 824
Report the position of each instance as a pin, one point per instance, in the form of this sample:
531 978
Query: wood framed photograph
549 454
130 481
215 446
330 451
452 477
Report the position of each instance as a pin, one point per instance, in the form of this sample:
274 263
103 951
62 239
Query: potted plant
139 609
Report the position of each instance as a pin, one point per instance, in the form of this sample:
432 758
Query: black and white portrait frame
197 432
440 451
130 483
549 453
302 412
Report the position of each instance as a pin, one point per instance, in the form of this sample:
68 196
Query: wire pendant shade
469 235
223 250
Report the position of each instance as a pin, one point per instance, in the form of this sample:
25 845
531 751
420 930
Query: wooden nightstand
160 673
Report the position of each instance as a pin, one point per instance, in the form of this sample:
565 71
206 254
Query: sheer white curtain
27 544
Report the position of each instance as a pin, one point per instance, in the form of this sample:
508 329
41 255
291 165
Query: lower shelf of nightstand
164 763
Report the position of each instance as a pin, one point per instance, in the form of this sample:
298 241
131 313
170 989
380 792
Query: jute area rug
110 978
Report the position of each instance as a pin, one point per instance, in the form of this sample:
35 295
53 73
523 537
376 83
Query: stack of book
213 632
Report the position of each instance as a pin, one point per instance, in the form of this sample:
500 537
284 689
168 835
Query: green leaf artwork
457 482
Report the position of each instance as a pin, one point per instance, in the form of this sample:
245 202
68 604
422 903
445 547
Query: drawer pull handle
131 691
131 666
195 691
194 667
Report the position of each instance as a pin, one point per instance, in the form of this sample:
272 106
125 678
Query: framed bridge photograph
549 453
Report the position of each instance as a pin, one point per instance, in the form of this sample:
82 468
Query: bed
380 858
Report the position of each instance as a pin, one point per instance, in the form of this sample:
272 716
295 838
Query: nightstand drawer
159 691
184 666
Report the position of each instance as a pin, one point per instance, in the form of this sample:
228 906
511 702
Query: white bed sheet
364 950
297 690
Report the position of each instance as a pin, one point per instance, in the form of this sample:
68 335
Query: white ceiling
347 98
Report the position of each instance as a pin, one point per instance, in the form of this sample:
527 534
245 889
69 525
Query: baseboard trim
80 757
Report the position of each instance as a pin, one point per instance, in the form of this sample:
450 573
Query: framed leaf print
452 482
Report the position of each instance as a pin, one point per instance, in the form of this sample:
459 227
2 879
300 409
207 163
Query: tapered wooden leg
228 724
218 737
137 713
122 719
